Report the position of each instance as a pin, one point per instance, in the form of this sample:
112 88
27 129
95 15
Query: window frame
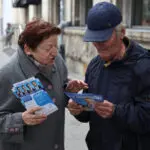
127 8
79 9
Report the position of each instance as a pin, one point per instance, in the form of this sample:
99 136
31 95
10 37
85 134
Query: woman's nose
54 52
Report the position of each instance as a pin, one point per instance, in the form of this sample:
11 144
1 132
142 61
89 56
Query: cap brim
97 35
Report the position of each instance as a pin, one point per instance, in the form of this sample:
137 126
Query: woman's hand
30 118
75 86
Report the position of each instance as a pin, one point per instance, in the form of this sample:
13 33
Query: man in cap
121 74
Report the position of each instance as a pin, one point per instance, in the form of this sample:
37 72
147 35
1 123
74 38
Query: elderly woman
37 56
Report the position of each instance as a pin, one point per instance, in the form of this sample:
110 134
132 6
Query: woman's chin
50 63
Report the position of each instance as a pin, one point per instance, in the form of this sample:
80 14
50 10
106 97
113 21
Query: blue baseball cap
101 20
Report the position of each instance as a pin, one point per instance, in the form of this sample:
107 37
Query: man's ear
27 50
122 33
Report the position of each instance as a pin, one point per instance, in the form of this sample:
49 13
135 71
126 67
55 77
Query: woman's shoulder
9 67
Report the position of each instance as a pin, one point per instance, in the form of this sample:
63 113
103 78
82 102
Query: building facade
136 18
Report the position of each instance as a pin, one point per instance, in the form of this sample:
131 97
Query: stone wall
78 53
140 35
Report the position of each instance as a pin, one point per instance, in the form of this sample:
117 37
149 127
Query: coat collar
28 68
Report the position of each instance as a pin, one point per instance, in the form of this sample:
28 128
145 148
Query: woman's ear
27 50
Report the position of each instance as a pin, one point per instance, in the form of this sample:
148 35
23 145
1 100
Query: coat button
54 100
56 146
49 87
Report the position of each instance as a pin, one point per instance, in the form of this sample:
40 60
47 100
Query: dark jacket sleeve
83 117
11 123
136 114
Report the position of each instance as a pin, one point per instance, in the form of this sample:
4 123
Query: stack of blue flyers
32 94
87 100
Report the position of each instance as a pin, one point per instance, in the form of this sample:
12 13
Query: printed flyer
87 100
32 94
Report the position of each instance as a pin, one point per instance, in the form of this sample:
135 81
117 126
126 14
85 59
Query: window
146 13
141 13
136 13
80 9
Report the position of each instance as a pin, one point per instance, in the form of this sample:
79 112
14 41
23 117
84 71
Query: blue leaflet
42 98
85 99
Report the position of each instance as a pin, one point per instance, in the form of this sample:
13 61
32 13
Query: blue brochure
87 100
32 94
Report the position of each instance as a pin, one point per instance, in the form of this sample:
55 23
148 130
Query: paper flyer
87 100
32 94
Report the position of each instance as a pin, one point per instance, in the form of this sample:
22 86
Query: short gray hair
119 28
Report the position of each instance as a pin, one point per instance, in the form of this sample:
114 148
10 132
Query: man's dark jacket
126 83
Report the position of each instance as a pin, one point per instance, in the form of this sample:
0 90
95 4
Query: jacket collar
133 54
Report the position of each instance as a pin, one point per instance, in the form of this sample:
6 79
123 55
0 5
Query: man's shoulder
138 53
138 47
96 59
143 64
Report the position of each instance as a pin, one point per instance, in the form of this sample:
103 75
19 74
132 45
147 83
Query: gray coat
14 135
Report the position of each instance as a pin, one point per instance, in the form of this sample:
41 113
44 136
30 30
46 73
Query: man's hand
75 86
74 108
30 118
104 109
